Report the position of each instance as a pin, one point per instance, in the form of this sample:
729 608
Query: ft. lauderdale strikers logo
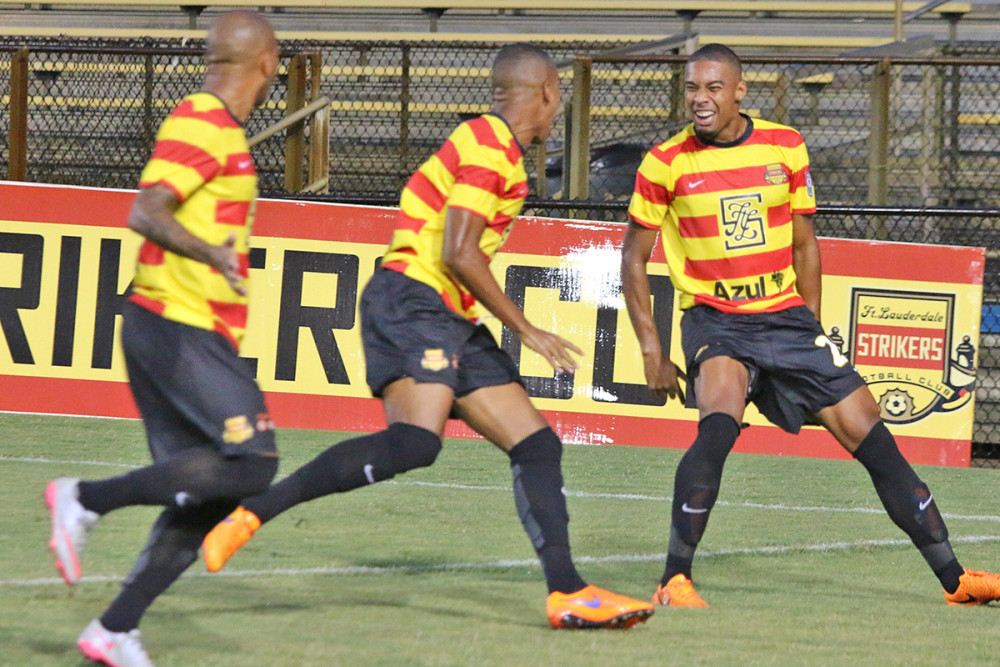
902 344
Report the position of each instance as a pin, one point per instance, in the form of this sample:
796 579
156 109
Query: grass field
799 564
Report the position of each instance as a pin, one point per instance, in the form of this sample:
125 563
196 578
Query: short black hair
718 53
517 53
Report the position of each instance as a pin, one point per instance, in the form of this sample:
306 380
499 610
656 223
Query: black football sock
949 573
191 477
541 505
909 503
349 465
172 547
696 487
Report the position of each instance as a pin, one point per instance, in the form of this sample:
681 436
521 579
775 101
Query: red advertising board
907 317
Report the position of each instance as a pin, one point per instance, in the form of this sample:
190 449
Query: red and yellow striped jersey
725 215
479 168
201 154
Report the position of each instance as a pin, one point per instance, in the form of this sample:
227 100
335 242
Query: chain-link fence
916 131
94 104
93 110
908 133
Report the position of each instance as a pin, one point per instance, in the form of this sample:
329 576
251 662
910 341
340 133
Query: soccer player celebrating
733 200
428 357
209 433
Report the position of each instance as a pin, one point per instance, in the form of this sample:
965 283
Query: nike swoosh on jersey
694 184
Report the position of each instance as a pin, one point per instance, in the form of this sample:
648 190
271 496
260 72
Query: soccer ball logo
896 404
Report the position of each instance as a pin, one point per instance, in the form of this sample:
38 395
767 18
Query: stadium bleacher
792 20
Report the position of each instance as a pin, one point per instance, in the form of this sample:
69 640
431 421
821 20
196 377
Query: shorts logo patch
839 360
434 360
237 430
902 344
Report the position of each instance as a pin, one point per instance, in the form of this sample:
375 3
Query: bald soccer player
428 356
208 429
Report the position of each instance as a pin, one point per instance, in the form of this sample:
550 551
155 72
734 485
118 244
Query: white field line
26 459
576 494
667 499
507 564
59 414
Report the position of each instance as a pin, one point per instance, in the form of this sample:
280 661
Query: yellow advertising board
906 316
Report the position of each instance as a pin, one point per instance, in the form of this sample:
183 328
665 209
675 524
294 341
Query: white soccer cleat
118 649
71 522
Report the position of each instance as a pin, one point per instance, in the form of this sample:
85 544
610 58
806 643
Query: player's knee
207 476
702 463
249 476
197 473
412 447
881 457
717 433
542 446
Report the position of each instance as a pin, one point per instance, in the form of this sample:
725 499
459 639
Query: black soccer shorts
795 371
407 331
192 389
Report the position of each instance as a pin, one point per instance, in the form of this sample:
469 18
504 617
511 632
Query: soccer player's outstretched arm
806 262
661 373
152 215
461 255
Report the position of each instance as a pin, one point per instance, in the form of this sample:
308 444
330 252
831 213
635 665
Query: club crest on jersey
236 430
742 221
902 344
434 360
775 174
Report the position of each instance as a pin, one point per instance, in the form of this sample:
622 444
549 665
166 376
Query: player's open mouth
704 117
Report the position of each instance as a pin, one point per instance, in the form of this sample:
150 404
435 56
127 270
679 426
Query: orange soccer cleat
594 607
975 587
228 536
678 592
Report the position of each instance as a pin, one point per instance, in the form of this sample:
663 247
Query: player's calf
696 488
909 503
348 465
357 462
